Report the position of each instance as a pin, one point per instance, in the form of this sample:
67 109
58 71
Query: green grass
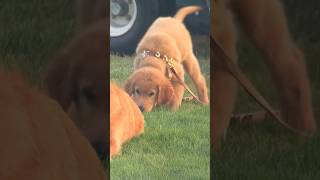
269 151
175 145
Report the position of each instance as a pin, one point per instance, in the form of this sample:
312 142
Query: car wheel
129 19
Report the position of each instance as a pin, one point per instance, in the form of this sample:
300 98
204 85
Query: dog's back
126 120
169 30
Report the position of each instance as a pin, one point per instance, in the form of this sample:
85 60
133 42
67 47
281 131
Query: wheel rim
123 14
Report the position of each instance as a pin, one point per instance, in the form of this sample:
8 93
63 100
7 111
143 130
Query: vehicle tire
129 19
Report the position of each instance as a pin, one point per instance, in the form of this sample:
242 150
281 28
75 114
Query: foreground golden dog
38 140
150 83
77 79
126 120
265 25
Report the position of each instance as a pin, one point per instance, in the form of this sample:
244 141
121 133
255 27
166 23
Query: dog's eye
151 94
89 94
137 91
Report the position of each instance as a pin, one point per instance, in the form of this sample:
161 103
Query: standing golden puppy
265 24
126 120
152 83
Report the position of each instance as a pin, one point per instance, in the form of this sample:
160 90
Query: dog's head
148 87
86 96
77 80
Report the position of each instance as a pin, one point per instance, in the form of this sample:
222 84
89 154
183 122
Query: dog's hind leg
265 24
192 67
115 143
224 86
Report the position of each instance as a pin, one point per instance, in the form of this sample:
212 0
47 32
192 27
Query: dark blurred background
269 151
31 32
303 20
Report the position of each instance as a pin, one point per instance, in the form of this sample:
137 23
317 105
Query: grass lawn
268 151
175 145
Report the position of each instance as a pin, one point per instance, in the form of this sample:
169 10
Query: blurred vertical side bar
108 93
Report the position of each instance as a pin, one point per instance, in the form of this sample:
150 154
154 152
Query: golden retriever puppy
90 11
126 120
151 83
265 24
77 79
38 140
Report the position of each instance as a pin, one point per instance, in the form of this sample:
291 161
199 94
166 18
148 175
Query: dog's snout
141 108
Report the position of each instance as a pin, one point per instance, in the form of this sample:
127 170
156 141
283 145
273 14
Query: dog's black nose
141 108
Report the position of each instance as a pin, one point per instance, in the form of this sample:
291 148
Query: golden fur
148 85
77 79
38 139
265 24
126 120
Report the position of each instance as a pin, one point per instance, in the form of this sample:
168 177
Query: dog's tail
183 12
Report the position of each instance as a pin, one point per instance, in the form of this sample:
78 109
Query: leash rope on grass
256 117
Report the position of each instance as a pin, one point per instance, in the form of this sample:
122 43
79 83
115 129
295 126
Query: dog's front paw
204 100
301 119
115 148
174 106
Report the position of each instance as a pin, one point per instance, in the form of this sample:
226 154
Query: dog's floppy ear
71 88
165 94
59 81
128 86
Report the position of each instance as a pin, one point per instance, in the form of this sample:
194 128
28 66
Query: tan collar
170 68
